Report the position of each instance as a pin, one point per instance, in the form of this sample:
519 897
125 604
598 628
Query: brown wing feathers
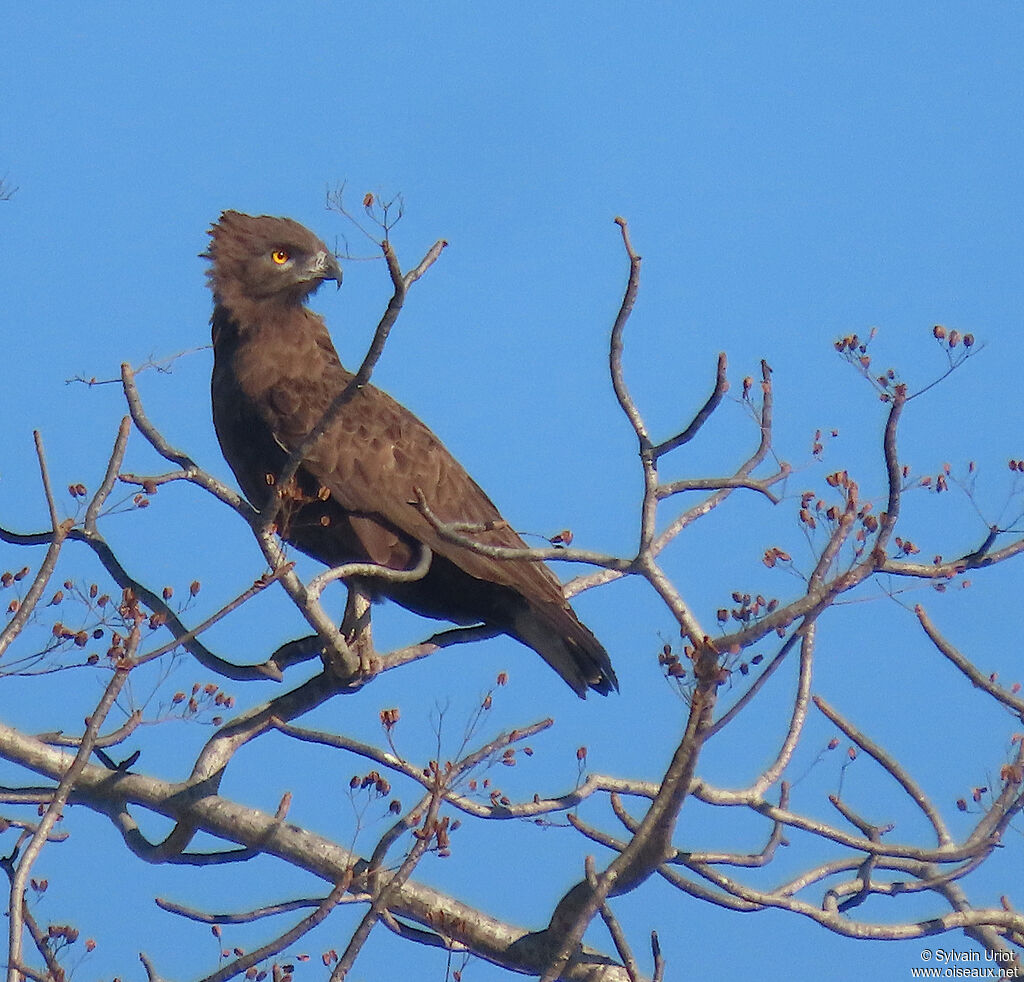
276 372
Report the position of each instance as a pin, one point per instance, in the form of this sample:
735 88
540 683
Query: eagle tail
568 646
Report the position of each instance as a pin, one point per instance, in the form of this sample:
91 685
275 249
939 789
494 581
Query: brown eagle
275 373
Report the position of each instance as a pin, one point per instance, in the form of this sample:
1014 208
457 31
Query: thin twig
976 677
716 484
659 960
110 477
316 586
614 928
897 771
56 537
703 414
615 349
60 797
248 960
394 884
243 917
893 472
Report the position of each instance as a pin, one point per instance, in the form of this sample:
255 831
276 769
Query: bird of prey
276 372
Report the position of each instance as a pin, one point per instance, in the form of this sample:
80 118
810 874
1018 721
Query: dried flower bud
1011 773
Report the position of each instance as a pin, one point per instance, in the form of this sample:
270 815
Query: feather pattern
276 372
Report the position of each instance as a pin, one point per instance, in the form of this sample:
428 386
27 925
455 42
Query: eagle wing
374 458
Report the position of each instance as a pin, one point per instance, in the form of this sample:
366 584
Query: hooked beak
325 267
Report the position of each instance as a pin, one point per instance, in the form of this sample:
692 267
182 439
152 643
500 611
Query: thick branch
488 937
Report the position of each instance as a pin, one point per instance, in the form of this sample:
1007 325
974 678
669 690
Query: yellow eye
280 256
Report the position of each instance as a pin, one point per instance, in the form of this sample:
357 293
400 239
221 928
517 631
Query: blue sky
791 173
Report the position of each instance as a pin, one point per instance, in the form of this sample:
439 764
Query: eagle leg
356 627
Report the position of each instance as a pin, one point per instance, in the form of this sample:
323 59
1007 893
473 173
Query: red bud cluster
374 780
775 555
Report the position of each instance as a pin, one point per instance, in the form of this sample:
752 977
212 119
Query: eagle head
261 259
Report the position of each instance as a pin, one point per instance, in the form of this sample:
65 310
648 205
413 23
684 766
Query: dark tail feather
567 646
